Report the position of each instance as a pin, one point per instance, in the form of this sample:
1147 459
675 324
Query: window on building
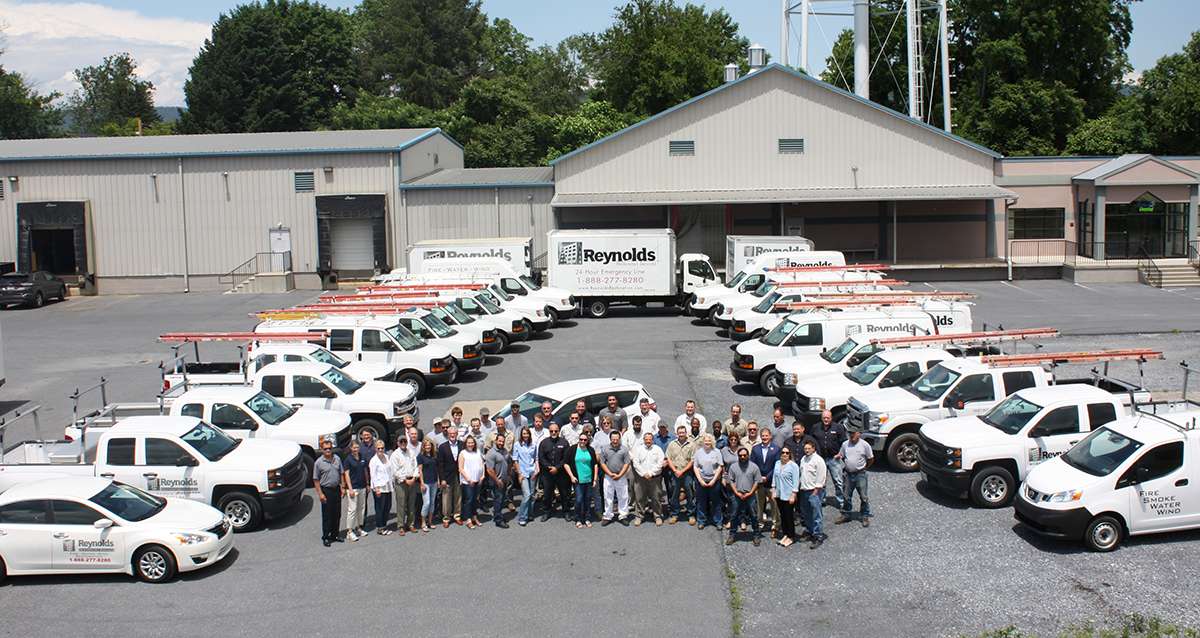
305 182
1 189
791 145
1036 223
681 147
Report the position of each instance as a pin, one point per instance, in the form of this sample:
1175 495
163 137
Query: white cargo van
704 300
379 339
852 281
517 251
742 250
605 267
888 369
1131 477
556 302
810 332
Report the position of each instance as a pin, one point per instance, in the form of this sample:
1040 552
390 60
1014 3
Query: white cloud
47 41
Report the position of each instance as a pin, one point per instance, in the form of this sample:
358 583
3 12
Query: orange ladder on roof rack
1056 358
855 267
988 336
197 337
841 283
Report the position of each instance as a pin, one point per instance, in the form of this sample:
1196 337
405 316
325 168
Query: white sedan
95 525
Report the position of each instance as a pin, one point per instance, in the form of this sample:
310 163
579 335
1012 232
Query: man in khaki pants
407 489
648 462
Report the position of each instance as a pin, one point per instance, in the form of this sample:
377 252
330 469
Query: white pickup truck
1130 477
890 418
890 368
378 406
173 456
985 456
256 356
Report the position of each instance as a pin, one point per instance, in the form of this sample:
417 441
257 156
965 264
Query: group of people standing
610 467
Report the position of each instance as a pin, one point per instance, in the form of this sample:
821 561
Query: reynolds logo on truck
466 254
756 250
572 253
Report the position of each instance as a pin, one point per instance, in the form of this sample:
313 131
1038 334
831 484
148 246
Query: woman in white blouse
381 487
470 472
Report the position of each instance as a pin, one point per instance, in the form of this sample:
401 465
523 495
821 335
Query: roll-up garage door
351 244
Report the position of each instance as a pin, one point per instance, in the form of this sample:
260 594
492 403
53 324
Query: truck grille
932 452
293 471
408 406
856 415
343 439
801 401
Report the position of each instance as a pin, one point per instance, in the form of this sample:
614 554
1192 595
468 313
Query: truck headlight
815 404
188 538
275 477
566 302
876 419
745 361
739 326
489 336
539 313
953 457
398 408
789 378
518 326
699 301
1066 497
469 352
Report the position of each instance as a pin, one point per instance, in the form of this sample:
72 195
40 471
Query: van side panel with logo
517 251
740 250
625 263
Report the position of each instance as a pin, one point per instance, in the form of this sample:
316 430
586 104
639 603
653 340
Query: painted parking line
1005 283
1085 287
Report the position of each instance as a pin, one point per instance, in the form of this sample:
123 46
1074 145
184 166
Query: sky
47 39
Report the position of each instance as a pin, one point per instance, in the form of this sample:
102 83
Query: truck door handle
3 533
60 535
107 475
1072 442
1181 482
150 475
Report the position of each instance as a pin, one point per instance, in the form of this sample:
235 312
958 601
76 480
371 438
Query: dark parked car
31 289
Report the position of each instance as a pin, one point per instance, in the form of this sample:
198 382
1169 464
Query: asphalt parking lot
928 566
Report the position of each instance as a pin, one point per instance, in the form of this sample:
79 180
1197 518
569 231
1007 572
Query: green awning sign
1145 203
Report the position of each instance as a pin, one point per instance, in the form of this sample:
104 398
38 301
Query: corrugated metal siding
446 213
737 133
418 159
226 228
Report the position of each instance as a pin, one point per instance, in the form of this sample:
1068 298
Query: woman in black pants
784 485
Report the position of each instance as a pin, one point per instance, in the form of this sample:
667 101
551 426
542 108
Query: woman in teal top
784 485
580 463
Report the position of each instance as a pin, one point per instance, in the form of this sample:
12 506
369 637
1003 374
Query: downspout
187 283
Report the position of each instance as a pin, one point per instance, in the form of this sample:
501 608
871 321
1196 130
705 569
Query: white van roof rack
915 295
197 337
841 283
855 267
850 304
1141 355
964 338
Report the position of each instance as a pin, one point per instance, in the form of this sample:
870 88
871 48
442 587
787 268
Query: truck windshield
840 352
321 355
933 383
128 502
270 409
529 282
777 335
868 370
737 279
764 288
343 381
1011 414
455 313
767 302
487 303
405 338
438 326
1101 452
496 290
210 442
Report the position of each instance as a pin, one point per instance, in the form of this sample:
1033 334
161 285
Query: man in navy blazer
448 481
764 455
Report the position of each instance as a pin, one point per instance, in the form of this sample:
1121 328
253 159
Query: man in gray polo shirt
614 410
857 456
614 462
327 479
743 478
497 462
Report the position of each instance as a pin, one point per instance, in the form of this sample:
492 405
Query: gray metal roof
485 178
1098 174
298 142
658 198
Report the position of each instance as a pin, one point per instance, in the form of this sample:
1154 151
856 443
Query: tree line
1033 77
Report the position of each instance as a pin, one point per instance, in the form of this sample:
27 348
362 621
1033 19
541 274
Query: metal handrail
1049 252
1194 253
1148 272
259 263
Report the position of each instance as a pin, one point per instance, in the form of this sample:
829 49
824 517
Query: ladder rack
854 268
1140 355
197 337
383 288
376 297
871 295
990 336
848 304
841 283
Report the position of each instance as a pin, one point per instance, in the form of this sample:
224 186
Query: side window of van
374 341
263 360
341 340
808 334
193 410
1018 380
977 387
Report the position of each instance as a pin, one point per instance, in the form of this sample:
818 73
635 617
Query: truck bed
213 367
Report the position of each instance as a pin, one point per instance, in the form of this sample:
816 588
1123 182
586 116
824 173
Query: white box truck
740 250
517 251
637 267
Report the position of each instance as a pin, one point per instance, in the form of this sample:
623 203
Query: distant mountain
169 113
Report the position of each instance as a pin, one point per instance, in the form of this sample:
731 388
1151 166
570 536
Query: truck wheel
414 381
154 564
902 452
243 511
375 427
769 382
553 315
502 338
1103 534
597 309
3 570
992 487
307 459
712 314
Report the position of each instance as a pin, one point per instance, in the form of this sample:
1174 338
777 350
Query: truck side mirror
186 460
103 523
960 404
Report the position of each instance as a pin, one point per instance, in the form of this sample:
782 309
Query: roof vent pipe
731 72
758 56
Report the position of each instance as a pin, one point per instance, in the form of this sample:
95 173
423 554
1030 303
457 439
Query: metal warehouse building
774 152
